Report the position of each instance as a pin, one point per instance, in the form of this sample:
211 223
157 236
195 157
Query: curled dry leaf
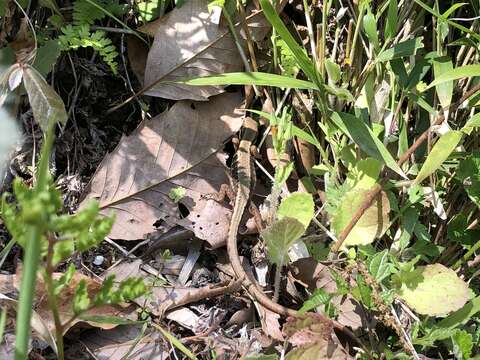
176 148
189 43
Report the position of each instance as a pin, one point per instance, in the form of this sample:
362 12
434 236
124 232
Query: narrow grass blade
300 55
455 74
440 152
251 78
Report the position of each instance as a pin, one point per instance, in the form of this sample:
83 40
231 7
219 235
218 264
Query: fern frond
84 13
75 37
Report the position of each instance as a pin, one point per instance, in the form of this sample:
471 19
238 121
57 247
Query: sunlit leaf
433 290
252 78
371 225
456 73
440 152
403 49
298 206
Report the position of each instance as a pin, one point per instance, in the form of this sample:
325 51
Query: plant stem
52 301
276 284
32 257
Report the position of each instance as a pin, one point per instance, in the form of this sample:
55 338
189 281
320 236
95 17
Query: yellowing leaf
434 290
440 152
371 225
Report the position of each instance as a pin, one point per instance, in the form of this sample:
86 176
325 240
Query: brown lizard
246 178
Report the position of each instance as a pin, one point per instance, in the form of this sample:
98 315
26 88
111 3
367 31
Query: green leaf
373 223
319 297
403 49
440 152
81 300
456 73
333 70
262 357
280 236
392 19
47 56
370 27
461 316
299 206
443 65
173 340
469 174
300 55
379 266
433 290
46 105
64 280
252 78
364 174
363 136
462 345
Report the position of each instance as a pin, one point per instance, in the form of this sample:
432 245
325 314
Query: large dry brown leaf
176 148
188 43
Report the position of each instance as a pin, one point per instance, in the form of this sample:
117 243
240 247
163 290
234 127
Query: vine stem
375 191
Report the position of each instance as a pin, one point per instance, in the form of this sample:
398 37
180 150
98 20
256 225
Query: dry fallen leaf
175 149
317 276
116 343
42 318
189 43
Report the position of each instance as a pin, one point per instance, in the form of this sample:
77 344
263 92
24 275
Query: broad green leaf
302 59
370 27
379 266
433 290
456 73
442 65
363 136
333 71
296 131
47 56
461 316
280 236
403 49
252 78
298 206
462 345
440 152
46 105
392 19
364 174
373 223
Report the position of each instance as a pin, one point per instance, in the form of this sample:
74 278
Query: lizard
245 175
